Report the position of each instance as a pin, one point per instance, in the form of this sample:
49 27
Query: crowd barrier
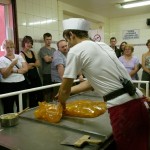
144 82
19 93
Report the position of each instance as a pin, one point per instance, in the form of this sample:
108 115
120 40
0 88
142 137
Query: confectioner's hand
62 103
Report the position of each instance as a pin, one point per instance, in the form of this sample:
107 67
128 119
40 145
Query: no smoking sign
97 38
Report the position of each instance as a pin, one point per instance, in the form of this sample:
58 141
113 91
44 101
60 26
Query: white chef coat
98 62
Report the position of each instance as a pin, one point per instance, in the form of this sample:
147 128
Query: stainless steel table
32 133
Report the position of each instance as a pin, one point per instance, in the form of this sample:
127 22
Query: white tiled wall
34 11
33 19
65 11
29 11
130 23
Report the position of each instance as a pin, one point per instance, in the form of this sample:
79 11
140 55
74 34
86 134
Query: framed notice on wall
131 34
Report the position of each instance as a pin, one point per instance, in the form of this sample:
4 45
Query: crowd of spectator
29 69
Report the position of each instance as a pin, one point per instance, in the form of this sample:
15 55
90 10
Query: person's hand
62 103
31 65
14 62
51 58
81 79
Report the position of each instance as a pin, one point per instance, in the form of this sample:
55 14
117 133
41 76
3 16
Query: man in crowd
59 63
46 56
113 42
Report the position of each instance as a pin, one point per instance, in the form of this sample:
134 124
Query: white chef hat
76 24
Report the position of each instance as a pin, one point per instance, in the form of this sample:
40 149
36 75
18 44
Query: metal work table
32 133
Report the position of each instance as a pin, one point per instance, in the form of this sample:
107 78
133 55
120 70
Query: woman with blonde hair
12 68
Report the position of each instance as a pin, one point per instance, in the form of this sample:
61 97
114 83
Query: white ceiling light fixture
39 22
135 4
42 22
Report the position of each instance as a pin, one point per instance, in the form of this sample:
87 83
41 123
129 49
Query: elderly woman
12 68
130 62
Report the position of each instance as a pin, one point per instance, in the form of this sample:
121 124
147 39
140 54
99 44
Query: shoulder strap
26 58
11 61
32 54
8 58
23 52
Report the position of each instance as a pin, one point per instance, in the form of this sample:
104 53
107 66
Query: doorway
6 23
2 29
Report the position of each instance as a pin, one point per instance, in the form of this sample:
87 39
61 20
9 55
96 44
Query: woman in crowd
32 74
122 45
146 65
130 62
12 68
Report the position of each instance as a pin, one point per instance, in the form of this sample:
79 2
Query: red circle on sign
97 38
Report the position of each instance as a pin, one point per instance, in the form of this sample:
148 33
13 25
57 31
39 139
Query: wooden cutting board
80 140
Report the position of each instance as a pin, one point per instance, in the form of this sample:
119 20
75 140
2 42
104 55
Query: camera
128 86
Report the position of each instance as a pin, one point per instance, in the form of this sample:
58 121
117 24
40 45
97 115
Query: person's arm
134 71
24 68
64 91
48 59
9 70
61 70
82 87
143 64
32 65
80 77
37 62
43 54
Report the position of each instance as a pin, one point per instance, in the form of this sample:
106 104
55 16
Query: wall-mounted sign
96 35
97 38
131 34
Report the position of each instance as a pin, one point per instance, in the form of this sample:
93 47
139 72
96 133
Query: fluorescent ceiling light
42 22
39 22
135 4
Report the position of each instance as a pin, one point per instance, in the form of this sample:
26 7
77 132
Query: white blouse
14 77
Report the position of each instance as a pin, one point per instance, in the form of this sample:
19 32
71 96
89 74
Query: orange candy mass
49 112
77 108
85 108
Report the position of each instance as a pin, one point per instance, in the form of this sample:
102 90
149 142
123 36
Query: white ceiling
108 8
